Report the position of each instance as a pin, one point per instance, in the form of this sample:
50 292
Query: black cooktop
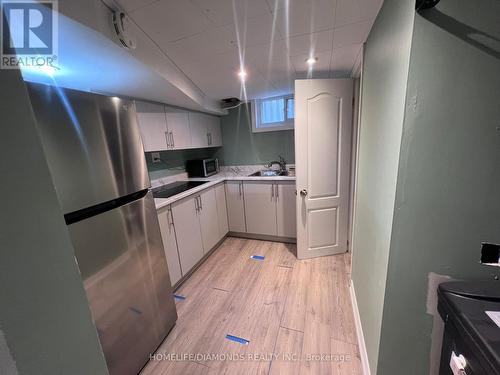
174 188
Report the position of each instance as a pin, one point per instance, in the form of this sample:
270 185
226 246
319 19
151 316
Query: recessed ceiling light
242 74
311 60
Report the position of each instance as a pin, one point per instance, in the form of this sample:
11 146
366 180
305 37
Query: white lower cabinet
220 195
209 221
270 208
286 209
167 229
260 207
187 229
235 206
192 227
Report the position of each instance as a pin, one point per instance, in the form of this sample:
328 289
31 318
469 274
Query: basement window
272 114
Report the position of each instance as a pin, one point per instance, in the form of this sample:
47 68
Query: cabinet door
153 126
208 219
286 209
178 127
187 228
220 195
235 206
167 229
198 129
214 131
260 207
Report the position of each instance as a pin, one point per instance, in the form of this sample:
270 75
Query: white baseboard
359 332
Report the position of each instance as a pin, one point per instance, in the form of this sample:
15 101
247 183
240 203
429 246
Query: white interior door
323 120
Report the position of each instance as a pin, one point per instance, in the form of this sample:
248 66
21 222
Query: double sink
268 173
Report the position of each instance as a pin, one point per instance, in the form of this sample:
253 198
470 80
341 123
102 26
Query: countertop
226 174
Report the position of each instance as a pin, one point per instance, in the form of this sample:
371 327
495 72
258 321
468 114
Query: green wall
242 147
173 162
385 73
45 323
448 198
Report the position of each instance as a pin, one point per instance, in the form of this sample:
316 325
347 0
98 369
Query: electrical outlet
155 157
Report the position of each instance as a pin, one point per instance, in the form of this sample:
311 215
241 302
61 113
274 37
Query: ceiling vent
230 103
122 29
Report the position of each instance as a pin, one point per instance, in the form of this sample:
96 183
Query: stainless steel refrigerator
95 154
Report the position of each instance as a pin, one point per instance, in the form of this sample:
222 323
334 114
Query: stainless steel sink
268 173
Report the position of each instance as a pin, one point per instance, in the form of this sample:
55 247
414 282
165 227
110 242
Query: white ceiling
207 39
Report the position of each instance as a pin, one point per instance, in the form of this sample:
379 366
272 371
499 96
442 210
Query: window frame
288 124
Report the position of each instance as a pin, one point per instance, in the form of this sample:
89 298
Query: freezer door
121 259
92 144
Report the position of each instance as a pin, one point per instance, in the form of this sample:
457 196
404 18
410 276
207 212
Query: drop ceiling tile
343 58
322 65
352 11
130 5
257 30
305 17
201 46
354 33
221 12
169 20
310 43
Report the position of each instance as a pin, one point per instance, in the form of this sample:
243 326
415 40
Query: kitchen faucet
281 163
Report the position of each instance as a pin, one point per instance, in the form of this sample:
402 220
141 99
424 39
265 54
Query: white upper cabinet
153 126
178 128
198 127
214 131
167 128
205 130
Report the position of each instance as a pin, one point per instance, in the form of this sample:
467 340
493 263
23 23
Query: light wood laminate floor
296 314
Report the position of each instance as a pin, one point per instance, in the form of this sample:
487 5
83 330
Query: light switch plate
155 157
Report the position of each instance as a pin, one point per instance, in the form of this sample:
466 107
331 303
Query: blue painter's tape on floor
258 257
178 297
237 339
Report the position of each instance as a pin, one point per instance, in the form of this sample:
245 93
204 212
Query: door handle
303 192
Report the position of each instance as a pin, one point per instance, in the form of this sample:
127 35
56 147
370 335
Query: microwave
202 167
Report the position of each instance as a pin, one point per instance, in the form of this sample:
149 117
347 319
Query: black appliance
202 167
470 333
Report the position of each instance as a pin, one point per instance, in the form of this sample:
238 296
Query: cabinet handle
196 204
173 141
201 203
210 138
277 192
272 191
170 219
167 139
240 188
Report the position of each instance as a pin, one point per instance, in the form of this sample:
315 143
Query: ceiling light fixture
311 60
242 74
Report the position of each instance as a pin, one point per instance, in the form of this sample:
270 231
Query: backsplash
242 147
173 161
